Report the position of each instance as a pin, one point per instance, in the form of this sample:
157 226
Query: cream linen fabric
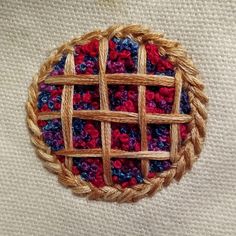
31 200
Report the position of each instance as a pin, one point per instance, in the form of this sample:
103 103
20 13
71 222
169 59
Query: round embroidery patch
117 114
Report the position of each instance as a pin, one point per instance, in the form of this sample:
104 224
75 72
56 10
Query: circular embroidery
117 114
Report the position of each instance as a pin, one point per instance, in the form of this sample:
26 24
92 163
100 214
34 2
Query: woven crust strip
105 125
126 79
182 159
175 111
67 109
142 109
127 117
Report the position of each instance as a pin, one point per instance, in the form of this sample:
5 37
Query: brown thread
104 104
97 152
187 154
142 109
127 79
67 108
175 110
120 117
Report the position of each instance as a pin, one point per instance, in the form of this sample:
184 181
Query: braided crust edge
189 151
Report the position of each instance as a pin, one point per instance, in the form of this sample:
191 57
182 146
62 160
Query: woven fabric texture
32 202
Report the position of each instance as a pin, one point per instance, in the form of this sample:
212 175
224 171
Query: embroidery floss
112 113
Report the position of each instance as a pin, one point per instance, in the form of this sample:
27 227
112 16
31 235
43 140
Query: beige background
31 200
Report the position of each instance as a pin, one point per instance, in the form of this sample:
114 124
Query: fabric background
31 200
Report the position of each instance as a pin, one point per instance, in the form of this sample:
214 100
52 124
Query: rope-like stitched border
189 151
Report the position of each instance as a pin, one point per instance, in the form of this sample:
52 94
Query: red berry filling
126 172
86 97
86 58
58 68
123 98
86 134
52 133
122 56
90 169
49 98
158 137
159 99
157 64
183 129
125 137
